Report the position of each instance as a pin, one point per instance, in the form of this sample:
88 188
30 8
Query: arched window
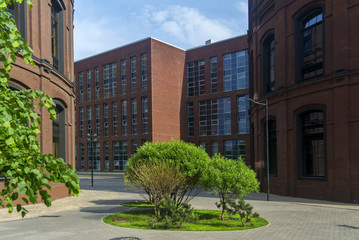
19 13
311 143
268 68
58 132
310 43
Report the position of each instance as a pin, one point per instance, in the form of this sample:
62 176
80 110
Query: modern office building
152 91
304 58
48 29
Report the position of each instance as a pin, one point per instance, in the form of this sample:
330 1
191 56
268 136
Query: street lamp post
267 140
91 138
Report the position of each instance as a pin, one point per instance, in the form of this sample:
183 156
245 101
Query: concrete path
81 218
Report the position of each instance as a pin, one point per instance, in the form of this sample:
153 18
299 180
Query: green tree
184 159
27 172
228 178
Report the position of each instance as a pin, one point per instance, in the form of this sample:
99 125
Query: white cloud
188 24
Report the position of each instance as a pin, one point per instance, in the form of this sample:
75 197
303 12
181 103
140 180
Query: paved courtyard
81 218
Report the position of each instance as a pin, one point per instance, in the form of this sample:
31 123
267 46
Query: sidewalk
81 218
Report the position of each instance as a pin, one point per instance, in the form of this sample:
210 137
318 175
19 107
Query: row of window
310 144
215 116
110 79
235 74
309 47
232 149
104 130
118 157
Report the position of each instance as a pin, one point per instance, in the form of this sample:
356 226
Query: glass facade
97 119
215 117
195 78
107 156
94 155
81 122
89 117
235 71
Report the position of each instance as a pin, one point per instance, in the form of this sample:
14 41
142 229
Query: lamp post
91 138
267 140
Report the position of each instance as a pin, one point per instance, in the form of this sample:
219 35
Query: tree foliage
27 172
228 178
184 159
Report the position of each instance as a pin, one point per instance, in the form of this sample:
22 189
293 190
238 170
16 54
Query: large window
94 156
81 110
18 12
234 149
144 71
105 119
88 82
97 119
114 119
119 149
190 119
134 115
89 118
107 156
82 156
109 80
123 77
124 117
311 143
272 145
195 78
268 68
242 114
57 35
97 85
235 70
215 117
58 132
310 32
213 71
144 115
81 87
133 75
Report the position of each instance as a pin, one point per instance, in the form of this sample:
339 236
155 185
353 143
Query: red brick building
304 58
48 29
152 91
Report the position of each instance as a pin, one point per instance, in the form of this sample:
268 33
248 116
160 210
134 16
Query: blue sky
104 25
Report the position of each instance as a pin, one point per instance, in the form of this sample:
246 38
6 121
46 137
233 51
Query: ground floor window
311 143
234 149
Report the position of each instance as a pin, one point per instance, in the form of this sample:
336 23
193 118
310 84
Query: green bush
172 216
177 164
228 178
244 210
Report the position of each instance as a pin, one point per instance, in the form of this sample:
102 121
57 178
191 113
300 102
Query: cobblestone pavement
81 218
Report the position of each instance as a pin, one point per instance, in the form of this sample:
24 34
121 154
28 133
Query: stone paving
81 218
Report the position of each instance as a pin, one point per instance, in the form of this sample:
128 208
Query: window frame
266 63
300 147
299 41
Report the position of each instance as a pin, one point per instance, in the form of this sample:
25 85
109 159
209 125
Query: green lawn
208 220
